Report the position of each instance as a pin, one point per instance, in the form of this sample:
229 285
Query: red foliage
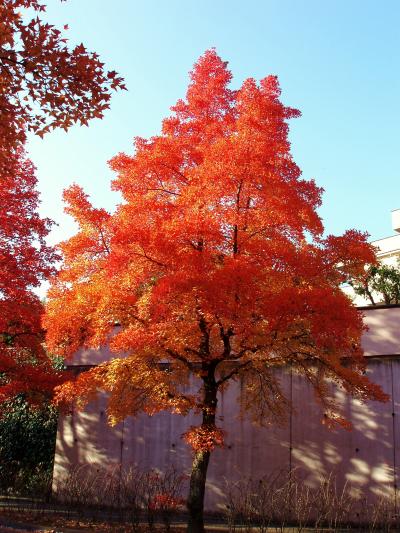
214 265
25 261
44 84
163 502
204 438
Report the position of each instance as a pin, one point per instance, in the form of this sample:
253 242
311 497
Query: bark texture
201 458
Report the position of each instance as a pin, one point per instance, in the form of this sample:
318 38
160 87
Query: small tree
27 441
214 263
379 283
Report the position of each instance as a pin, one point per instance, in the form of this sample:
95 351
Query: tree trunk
201 458
196 492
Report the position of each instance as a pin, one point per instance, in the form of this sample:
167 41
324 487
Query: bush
130 494
27 442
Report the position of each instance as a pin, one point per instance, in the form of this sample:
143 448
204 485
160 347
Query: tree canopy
214 266
379 284
25 261
43 85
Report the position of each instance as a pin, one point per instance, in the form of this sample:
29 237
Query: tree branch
176 171
145 256
179 357
235 371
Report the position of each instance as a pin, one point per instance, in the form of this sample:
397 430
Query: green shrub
27 441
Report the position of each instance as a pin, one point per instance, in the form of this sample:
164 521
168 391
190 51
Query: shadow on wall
383 334
364 458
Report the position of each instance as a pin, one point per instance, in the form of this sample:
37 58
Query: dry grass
282 501
104 500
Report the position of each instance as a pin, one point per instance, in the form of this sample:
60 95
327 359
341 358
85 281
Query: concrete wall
368 457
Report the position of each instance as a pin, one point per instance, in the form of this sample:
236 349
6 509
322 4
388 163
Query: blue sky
337 61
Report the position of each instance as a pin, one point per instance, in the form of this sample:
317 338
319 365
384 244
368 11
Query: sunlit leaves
214 266
379 283
204 438
45 84
25 261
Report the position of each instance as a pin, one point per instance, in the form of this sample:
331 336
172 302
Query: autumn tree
44 84
214 265
25 261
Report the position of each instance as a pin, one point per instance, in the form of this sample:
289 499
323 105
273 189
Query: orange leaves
166 502
214 260
44 85
132 387
79 391
93 223
204 439
208 96
350 252
79 207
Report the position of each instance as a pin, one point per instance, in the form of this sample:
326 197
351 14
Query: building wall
368 457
